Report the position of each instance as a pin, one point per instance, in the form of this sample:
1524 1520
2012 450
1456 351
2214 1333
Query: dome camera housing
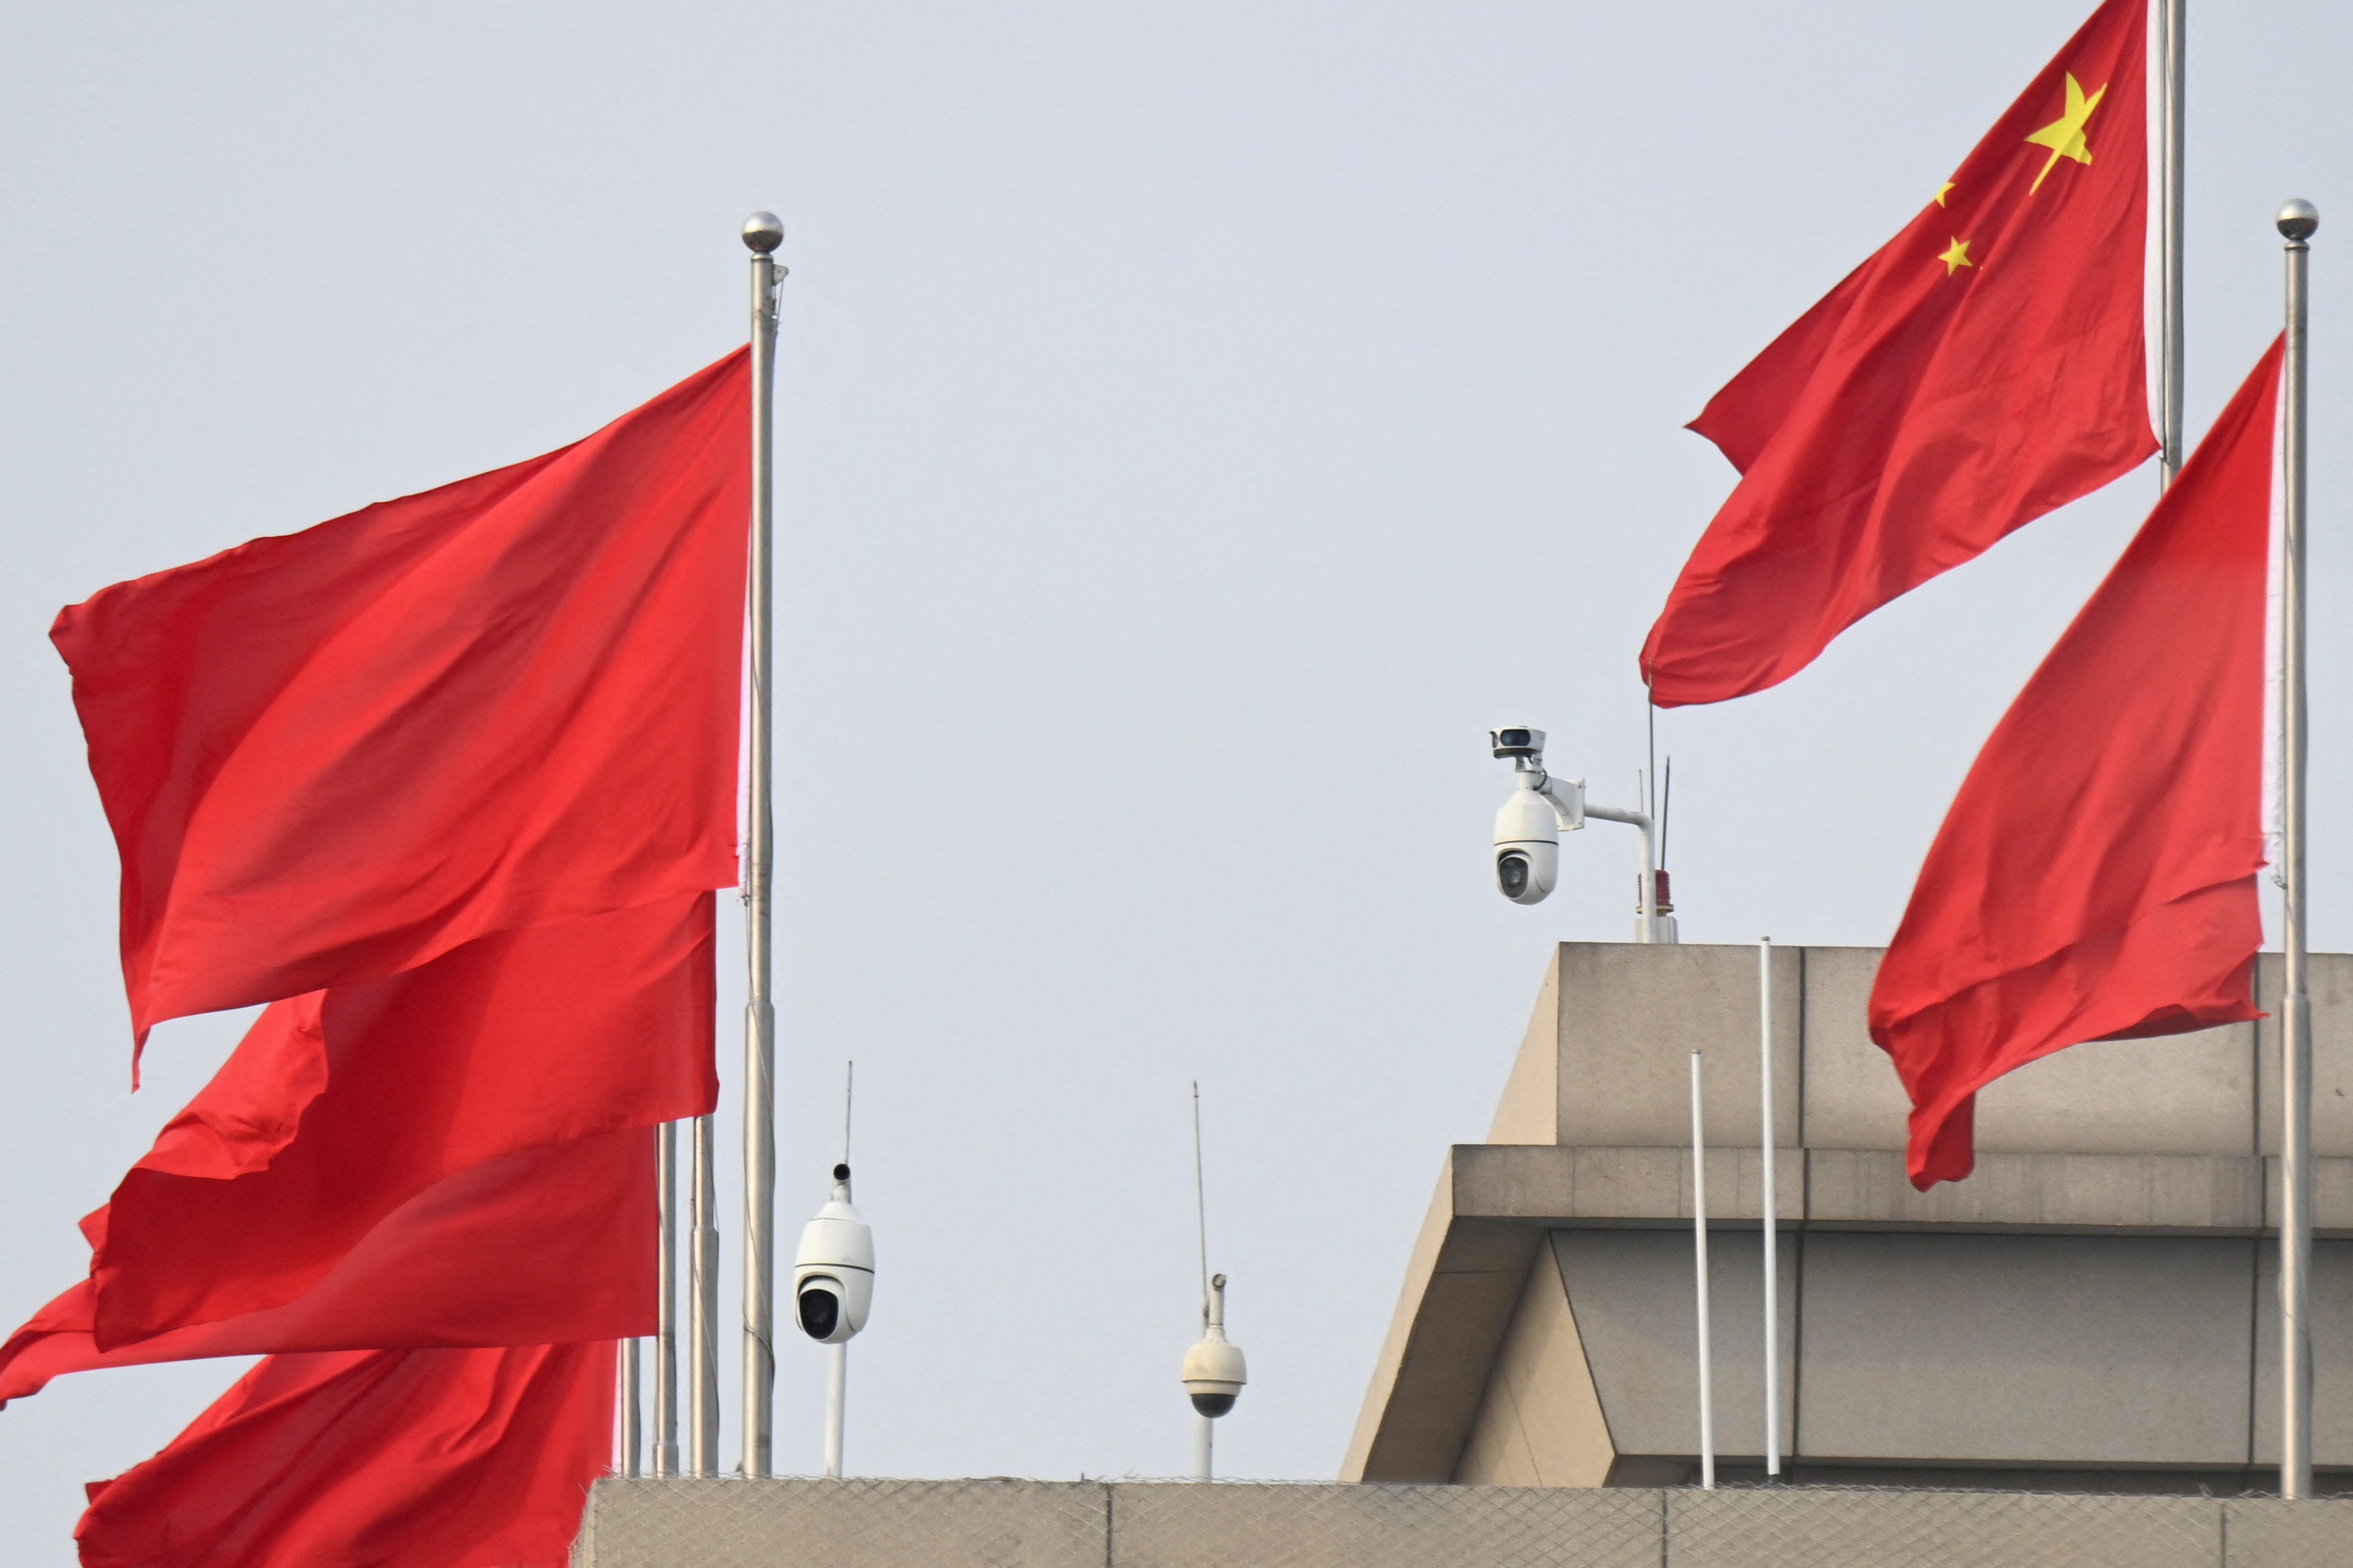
833 1270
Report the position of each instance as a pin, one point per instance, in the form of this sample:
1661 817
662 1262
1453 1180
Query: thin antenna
1651 737
1200 1202
1666 803
849 1096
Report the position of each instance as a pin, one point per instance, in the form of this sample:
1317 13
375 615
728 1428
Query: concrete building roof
2093 1301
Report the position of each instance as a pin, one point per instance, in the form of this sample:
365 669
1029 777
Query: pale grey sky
1200 423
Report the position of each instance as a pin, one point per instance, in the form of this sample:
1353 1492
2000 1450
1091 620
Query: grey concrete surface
1094 1524
2078 1350
2091 1304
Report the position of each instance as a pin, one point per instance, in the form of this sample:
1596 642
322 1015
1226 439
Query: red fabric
478 1458
517 1040
2096 878
1924 409
557 1240
458 1155
335 755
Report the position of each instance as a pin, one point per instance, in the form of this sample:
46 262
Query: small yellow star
2064 135
1957 258
1941 192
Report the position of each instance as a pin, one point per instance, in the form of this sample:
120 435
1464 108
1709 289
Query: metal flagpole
1699 1266
1772 1245
632 1420
2297 221
2171 27
763 232
702 1324
666 1310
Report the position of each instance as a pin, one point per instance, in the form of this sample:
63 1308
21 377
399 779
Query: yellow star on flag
1943 191
2064 135
1957 257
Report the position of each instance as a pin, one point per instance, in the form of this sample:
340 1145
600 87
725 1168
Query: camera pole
762 233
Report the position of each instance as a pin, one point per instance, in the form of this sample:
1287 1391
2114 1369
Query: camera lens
1512 874
820 1313
1213 1404
1514 737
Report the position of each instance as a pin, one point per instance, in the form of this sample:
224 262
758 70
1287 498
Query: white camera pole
1772 1252
1646 927
763 232
837 1368
1699 1268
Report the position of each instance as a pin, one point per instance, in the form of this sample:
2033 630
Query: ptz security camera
833 1272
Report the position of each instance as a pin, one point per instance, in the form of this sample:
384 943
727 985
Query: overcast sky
1198 424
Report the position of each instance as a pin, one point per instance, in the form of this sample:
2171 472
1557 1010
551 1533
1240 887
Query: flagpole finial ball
2298 219
764 232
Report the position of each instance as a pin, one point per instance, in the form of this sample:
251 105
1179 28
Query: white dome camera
833 1272
1529 828
1214 1369
1527 847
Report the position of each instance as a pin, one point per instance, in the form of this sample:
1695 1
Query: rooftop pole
2297 221
1699 1278
762 233
1772 1252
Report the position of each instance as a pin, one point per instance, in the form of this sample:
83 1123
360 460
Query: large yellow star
1957 257
2064 135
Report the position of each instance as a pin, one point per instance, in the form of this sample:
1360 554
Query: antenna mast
1200 1202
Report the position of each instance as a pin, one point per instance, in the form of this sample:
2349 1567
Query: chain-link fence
1005 1524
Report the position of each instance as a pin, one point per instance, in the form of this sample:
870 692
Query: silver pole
836 1405
702 1325
2297 221
1204 1443
2172 27
762 234
1772 1252
631 1421
666 1318
1699 1275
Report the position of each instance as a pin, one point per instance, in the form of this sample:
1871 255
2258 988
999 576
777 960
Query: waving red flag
391 1458
459 1155
338 755
2096 878
1986 366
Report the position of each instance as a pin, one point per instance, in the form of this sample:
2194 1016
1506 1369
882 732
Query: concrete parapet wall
1132 1524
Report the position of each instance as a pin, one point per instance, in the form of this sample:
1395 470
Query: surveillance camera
1527 847
1518 742
1214 1369
833 1272
1213 1375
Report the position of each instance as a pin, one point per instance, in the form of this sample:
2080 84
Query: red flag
335 755
458 1155
1986 366
510 1043
392 1459
2096 878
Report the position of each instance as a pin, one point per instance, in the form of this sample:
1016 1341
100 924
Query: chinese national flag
2096 878
1986 366
338 755
478 1458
